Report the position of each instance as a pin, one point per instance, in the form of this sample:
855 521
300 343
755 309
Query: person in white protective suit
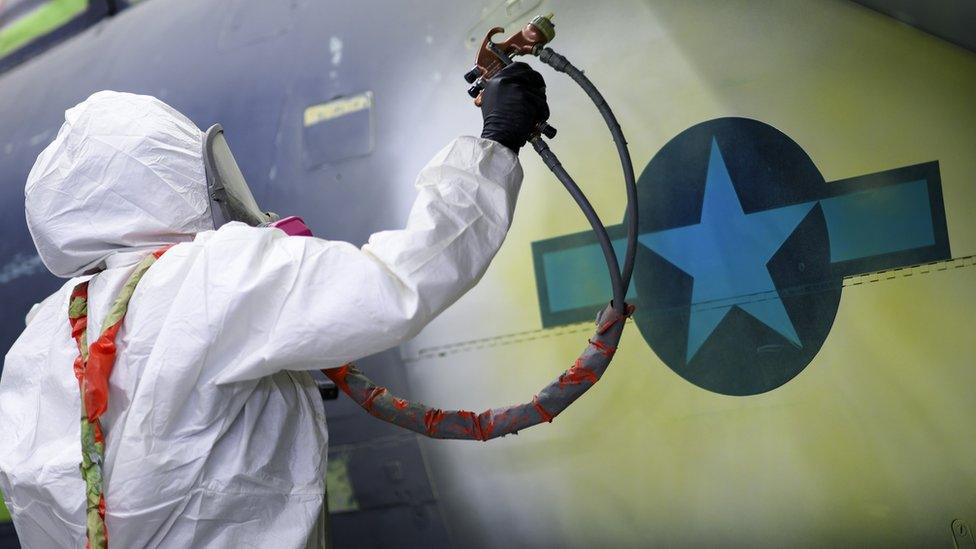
214 432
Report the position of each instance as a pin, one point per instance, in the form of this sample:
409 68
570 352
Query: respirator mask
230 197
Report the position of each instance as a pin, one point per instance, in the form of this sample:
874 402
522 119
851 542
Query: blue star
726 254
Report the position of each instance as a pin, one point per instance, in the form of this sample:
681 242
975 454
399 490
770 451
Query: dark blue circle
742 356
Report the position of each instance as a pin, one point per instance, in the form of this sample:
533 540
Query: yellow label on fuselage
337 107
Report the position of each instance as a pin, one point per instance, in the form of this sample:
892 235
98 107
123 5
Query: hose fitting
553 59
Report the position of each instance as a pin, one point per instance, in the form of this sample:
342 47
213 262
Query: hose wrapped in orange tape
496 422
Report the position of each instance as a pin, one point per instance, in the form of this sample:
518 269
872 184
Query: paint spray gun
492 57
595 358
532 39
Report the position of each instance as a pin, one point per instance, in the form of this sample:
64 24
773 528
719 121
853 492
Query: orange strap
93 367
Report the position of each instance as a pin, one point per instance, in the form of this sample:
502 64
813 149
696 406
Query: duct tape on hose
496 422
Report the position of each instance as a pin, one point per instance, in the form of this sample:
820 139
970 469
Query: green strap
92 368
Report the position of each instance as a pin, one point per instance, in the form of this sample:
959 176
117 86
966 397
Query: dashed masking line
514 338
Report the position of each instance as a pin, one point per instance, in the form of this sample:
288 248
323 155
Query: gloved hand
512 103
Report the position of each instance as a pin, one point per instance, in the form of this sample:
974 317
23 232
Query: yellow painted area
336 108
871 445
342 496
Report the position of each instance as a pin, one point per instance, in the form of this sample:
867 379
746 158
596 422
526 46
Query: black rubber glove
512 104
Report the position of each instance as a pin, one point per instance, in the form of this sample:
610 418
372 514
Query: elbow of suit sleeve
315 303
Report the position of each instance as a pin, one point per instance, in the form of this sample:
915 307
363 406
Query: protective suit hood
125 173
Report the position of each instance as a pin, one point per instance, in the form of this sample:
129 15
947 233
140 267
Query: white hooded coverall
215 432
